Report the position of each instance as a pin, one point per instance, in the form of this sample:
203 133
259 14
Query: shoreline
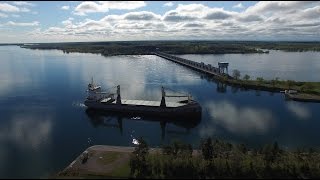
103 161
301 96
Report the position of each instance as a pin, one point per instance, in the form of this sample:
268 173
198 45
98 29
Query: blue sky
65 21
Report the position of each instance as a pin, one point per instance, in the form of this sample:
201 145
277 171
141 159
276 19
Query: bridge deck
209 69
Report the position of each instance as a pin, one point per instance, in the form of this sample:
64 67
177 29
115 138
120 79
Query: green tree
246 77
290 83
275 148
236 74
138 164
307 86
142 149
207 148
178 149
167 150
260 80
273 82
242 148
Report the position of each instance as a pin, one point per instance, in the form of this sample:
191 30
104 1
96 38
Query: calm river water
44 124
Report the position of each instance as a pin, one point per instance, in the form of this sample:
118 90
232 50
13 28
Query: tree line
220 159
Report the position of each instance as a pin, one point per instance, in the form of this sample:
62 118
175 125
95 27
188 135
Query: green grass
108 157
122 171
118 171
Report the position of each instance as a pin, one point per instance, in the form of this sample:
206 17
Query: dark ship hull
187 110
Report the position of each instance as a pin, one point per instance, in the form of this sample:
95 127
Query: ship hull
187 111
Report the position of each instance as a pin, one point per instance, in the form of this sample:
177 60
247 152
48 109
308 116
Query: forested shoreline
176 47
220 159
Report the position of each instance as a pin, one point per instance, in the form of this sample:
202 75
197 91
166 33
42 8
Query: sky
80 21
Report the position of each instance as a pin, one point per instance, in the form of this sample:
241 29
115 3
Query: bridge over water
205 68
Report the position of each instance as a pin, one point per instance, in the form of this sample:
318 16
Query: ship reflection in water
107 119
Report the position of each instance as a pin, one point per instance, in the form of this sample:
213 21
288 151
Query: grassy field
108 157
102 164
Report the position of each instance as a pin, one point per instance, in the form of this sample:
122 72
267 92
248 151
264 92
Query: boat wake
78 104
136 118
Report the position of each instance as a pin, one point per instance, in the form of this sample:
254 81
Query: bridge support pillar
118 95
163 99
223 66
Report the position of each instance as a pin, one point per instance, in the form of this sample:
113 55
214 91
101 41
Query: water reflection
221 87
27 131
41 96
298 110
240 120
300 66
115 120
234 89
99 118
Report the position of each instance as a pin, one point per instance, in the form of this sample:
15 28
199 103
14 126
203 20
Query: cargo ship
106 101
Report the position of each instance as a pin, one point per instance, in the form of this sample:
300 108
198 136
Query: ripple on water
78 105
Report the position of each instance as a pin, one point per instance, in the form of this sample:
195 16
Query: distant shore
176 47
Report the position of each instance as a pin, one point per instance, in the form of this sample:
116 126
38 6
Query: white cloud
311 13
278 20
186 12
3 15
89 7
65 7
67 22
238 6
249 18
191 25
24 10
207 130
299 110
5 7
128 5
103 6
129 22
27 131
142 15
240 119
218 13
193 9
168 4
274 6
34 23
15 15
23 3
